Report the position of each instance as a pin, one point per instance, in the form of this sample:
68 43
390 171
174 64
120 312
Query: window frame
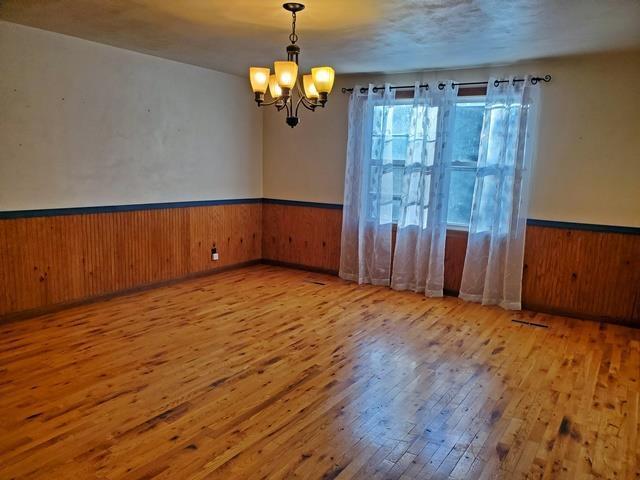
465 95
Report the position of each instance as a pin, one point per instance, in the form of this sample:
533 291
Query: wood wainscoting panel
310 237
454 253
587 274
302 235
59 259
583 273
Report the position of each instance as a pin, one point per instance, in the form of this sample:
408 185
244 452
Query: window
391 157
466 143
389 151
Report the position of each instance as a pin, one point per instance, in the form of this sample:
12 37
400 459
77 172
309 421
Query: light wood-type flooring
266 372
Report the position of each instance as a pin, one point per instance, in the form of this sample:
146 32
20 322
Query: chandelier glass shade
285 88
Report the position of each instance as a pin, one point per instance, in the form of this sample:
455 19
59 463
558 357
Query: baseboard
298 266
579 316
35 312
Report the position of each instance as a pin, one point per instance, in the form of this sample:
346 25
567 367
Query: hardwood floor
266 372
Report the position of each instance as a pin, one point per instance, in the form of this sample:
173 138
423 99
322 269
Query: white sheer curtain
493 265
418 262
365 255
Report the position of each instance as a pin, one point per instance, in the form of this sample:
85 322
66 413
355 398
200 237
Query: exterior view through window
466 140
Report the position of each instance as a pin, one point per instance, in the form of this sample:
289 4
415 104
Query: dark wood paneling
454 253
582 273
300 235
310 237
59 259
575 272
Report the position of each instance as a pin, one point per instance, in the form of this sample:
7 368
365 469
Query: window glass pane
386 185
374 179
389 148
467 130
401 119
386 212
399 148
461 196
377 147
381 148
396 210
382 120
398 174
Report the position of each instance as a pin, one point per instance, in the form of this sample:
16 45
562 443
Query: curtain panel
365 255
493 265
425 155
418 262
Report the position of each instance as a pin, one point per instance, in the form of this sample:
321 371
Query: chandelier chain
293 37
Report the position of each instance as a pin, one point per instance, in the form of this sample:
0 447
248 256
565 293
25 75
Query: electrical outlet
214 254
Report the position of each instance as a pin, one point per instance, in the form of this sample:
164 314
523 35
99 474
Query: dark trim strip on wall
589 227
4 215
53 212
297 203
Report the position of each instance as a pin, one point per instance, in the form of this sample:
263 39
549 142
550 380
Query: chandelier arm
303 98
306 104
268 104
298 105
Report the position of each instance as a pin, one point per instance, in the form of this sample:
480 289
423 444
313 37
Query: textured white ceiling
351 35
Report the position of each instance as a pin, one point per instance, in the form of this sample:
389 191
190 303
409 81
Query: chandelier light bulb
323 78
259 78
309 87
286 73
274 88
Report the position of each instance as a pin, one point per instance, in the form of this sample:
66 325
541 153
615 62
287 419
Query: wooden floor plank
272 373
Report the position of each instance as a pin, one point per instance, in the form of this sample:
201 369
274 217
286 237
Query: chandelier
284 85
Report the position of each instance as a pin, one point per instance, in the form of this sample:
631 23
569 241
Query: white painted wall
84 124
588 161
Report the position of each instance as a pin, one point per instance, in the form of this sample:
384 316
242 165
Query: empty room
333 240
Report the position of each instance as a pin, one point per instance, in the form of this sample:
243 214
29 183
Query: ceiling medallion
284 85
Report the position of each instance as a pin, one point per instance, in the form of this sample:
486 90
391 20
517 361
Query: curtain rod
534 80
